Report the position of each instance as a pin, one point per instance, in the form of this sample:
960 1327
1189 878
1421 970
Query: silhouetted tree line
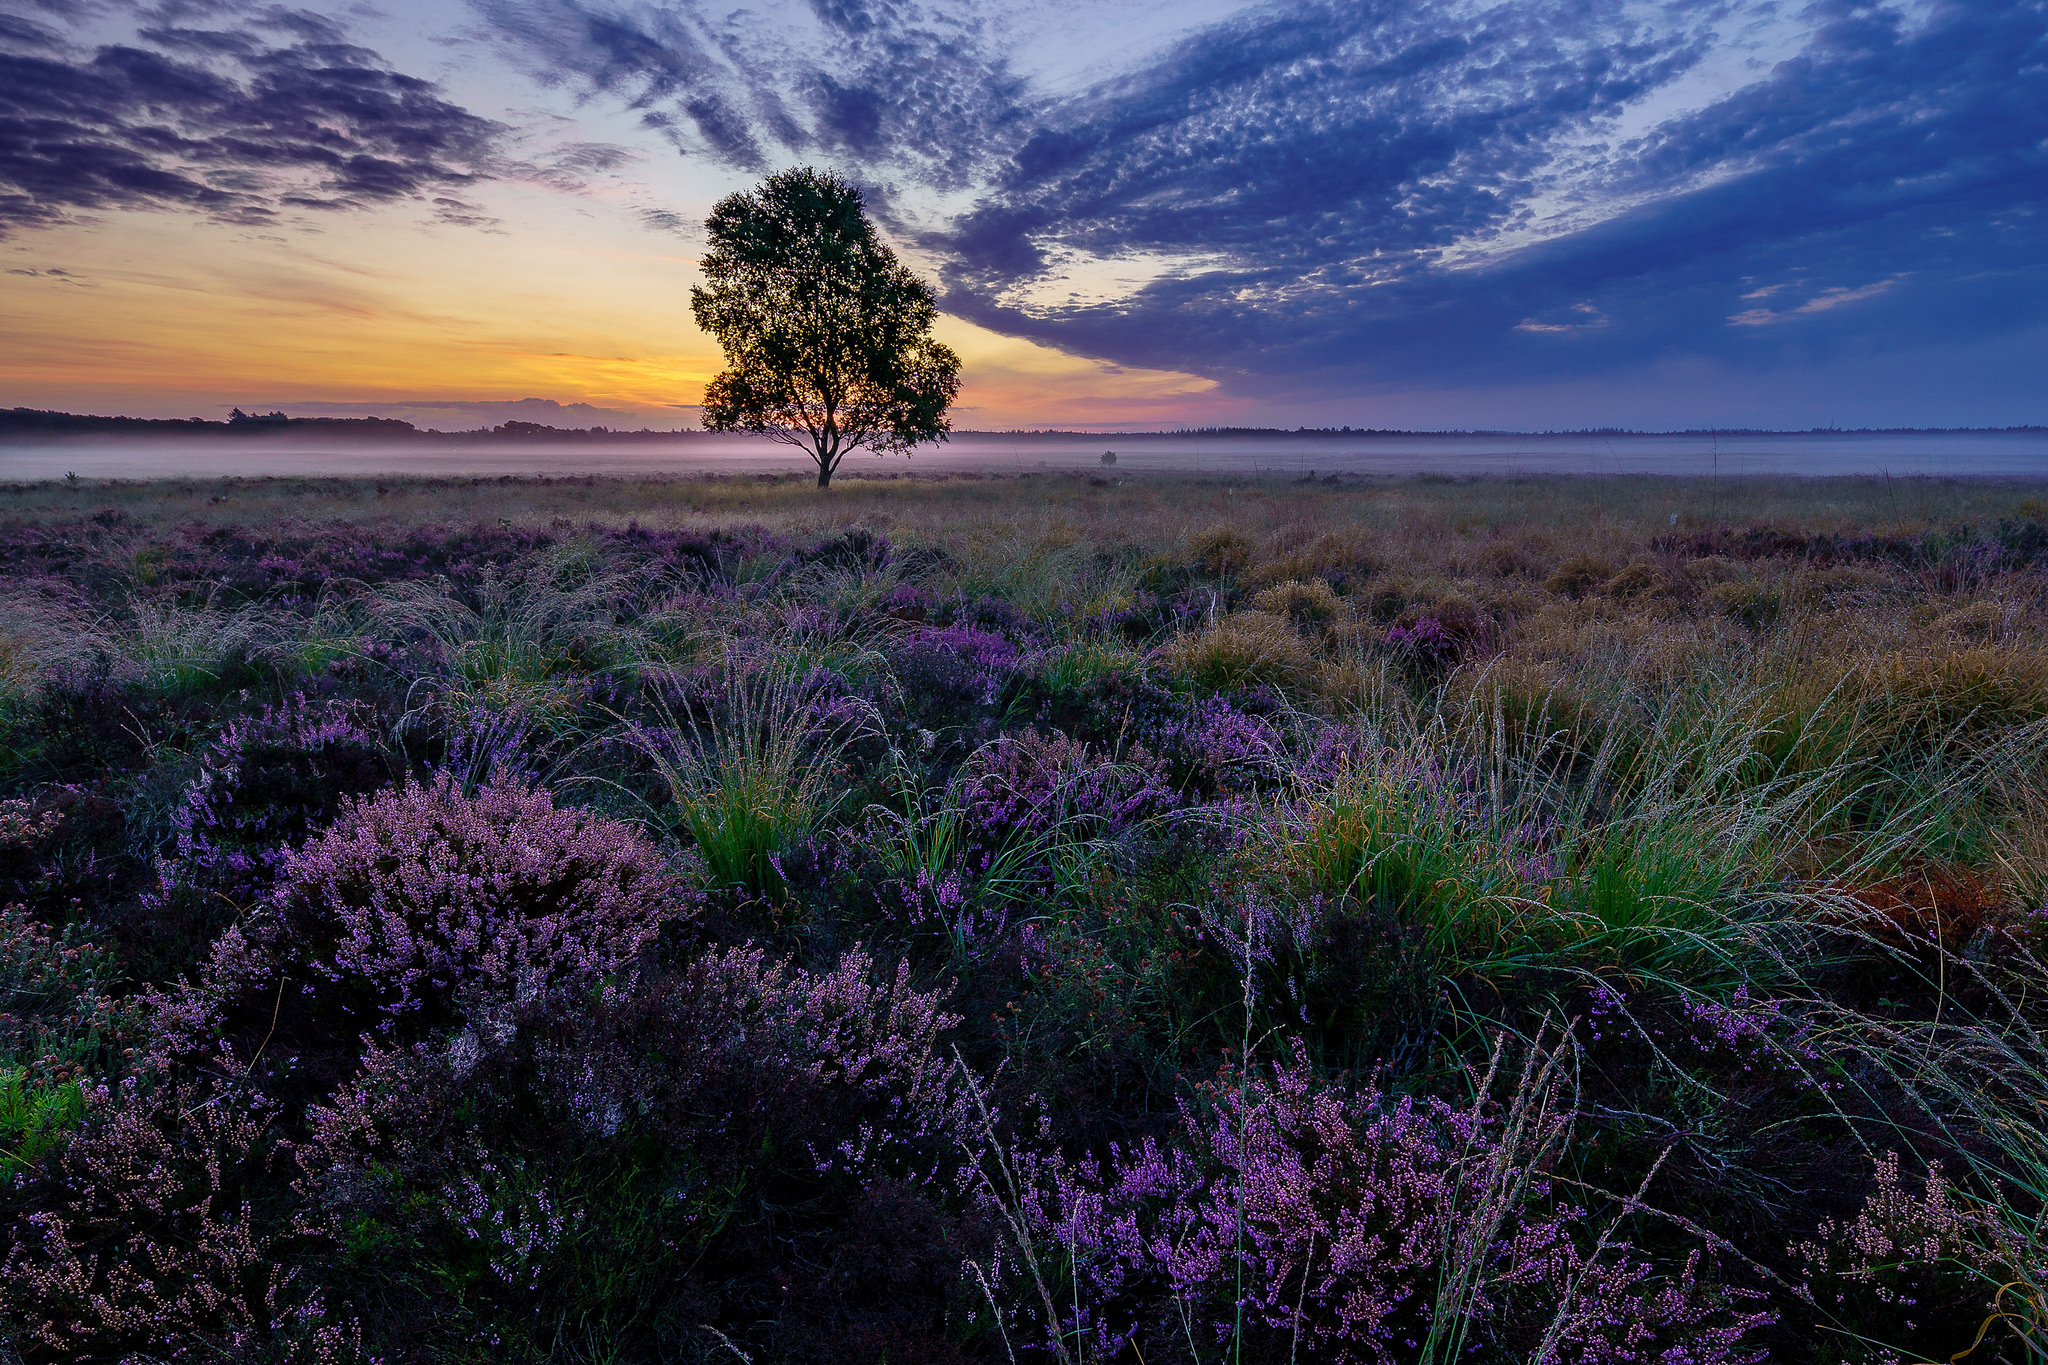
33 422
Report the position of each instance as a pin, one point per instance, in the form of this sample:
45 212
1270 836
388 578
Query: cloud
898 90
1351 165
56 275
1349 196
1303 201
1821 302
244 123
667 220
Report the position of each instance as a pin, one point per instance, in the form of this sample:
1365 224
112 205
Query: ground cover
1059 918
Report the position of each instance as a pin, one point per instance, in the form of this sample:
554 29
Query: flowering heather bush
263 786
64 850
949 672
302 558
1919 1271
25 825
1309 1223
58 1013
1035 783
1110 708
72 726
1428 648
1223 749
422 901
667 1156
156 1235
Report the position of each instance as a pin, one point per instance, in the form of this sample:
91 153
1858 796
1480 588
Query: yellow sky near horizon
165 314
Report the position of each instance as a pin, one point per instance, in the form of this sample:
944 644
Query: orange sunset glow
162 315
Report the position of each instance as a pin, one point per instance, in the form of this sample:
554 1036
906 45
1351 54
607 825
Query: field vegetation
1039 919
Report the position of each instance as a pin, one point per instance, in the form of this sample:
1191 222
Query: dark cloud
1321 132
459 213
1886 188
57 274
242 123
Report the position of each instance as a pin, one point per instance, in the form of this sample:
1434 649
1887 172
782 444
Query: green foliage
34 1119
753 769
521 642
827 336
1396 835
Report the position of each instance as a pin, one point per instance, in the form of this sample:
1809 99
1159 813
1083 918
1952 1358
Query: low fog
1947 454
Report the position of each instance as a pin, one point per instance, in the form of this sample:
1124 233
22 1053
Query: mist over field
2017 454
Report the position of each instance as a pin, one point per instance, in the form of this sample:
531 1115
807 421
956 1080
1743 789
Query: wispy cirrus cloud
896 89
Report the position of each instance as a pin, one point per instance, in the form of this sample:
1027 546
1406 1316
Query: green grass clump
752 769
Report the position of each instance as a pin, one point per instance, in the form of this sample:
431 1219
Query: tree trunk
824 475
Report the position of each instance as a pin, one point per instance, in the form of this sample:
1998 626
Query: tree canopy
827 336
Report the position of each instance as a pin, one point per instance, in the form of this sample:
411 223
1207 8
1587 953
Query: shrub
421 902
155 1235
1427 649
1919 1272
61 1026
65 853
1216 748
1101 695
948 674
1297 1221
266 783
1037 783
634 1167
1022 819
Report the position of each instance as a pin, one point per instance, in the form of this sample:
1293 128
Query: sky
1416 214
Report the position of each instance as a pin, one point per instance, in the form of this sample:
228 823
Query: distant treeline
21 423
1703 433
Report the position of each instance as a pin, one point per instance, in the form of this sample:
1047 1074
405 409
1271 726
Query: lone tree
827 335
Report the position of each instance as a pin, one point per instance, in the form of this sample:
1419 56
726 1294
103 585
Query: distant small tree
827 336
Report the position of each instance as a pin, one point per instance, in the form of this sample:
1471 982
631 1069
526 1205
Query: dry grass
1304 530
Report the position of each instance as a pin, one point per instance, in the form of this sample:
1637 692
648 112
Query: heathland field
1042 918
